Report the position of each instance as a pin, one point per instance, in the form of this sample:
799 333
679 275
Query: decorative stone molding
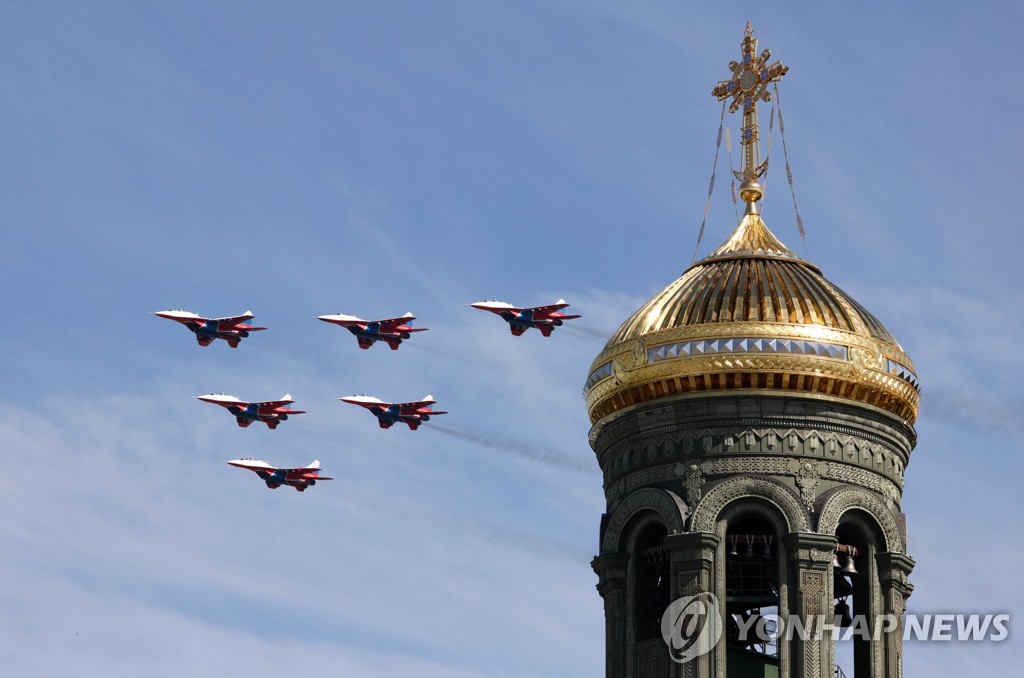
693 481
748 486
672 510
835 503
684 446
780 466
816 423
807 480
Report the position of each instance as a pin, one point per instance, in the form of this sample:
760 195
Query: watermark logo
691 626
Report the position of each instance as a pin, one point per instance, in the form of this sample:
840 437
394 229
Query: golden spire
748 85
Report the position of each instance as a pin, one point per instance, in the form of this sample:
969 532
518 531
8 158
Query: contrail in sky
592 333
452 355
973 408
518 448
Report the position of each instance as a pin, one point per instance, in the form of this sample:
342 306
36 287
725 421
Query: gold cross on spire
748 85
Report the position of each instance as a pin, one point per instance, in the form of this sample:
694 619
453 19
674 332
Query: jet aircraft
368 332
389 413
544 318
299 478
270 412
231 330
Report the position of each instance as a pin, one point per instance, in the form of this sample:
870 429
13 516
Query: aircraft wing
235 319
391 322
495 306
366 342
558 305
253 465
427 400
286 399
343 320
365 401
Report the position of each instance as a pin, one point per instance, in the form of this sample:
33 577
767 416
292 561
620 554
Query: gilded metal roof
752 316
752 277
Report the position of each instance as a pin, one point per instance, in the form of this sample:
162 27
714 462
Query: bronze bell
850 568
842 611
750 546
768 546
835 559
733 551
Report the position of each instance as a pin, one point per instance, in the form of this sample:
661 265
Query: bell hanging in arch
842 613
850 568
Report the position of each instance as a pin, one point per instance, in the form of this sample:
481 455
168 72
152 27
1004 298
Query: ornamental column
611 570
693 556
893 572
810 603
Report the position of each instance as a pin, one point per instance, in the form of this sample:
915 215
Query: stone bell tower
753 423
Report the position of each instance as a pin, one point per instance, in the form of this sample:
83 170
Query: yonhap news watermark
692 625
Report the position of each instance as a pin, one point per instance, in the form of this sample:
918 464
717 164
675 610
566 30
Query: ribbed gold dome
752 316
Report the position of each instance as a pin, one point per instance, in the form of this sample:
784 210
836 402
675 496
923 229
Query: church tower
753 423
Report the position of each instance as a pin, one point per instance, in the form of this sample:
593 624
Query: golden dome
752 317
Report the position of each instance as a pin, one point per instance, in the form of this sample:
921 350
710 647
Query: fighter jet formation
299 478
369 332
392 331
543 318
388 414
231 330
270 412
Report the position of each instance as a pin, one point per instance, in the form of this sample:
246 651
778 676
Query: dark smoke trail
972 408
451 355
591 333
517 448
513 537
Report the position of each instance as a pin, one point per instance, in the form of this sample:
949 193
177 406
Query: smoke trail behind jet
972 408
517 448
588 332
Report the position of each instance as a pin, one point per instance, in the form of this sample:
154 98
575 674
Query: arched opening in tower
855 585
751 598
652 590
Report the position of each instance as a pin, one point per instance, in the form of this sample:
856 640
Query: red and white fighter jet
544 318
270 412
299 478
368 332
389 413
231 330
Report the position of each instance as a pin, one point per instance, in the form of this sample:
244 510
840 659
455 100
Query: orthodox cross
748 85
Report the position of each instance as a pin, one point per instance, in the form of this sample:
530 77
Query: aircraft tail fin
314 464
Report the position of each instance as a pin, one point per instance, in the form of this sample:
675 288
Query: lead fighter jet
299 478
389 413
544 318
368 332
231 330
270 412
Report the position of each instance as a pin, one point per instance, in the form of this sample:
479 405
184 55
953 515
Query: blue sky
375 158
